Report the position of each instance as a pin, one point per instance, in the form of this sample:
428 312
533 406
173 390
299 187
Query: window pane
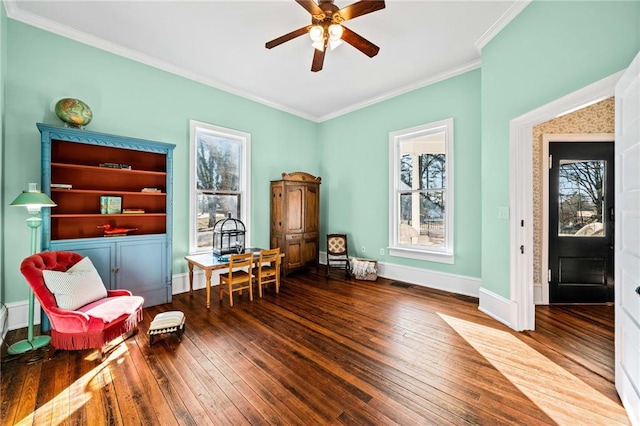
432 171
212 208
422 219
218 163
432 216
581 198
406 208
406 172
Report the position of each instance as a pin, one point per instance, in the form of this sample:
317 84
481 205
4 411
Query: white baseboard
537 294
180 282
19 314
460 284
496 306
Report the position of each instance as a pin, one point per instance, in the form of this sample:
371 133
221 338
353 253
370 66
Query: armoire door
294 205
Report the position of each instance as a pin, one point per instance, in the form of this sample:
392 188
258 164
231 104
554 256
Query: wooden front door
581 194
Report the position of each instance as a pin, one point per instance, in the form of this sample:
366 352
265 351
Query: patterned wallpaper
596 118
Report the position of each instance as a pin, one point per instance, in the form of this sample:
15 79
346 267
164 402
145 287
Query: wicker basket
364 269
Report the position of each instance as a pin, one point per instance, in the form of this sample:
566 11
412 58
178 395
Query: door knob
638 290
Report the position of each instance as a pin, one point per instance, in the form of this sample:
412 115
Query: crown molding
409 88
515 9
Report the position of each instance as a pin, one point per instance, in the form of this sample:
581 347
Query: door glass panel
581 198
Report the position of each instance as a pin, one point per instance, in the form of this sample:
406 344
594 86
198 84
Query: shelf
93 215
106 191
79 226
106 169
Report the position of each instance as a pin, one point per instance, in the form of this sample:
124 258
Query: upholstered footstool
167 322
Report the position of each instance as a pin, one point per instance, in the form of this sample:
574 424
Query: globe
73 112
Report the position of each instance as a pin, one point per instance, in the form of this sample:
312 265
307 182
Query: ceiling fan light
318 45
335 32
334 43
316 33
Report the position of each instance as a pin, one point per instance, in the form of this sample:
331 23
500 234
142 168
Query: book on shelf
61 186
116 166
151 190
133 211
110 205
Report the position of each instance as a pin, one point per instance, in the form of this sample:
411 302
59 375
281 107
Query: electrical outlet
363 249
381 252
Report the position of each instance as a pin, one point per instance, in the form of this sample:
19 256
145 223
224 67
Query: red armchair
91 326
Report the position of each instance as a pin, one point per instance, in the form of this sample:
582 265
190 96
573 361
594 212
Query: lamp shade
33 199
316 33
335 32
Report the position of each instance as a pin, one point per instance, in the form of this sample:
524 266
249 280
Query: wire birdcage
228 236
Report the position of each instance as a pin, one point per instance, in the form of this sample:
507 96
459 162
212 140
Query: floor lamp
33 200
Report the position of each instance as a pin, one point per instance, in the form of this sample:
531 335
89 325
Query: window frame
196 127
444 254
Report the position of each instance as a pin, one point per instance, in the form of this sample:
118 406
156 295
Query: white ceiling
221 43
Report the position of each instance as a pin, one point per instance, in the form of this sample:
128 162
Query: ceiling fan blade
359 42
293 34
311 7
360 8
318 60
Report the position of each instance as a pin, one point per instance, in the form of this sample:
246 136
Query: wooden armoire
295 219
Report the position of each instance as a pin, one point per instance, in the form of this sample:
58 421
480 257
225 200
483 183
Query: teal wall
550 50
3 72
132 99
354 152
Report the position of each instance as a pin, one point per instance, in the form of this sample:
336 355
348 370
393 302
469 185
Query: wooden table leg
190 278
207 274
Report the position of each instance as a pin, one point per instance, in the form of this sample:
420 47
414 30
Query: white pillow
79 286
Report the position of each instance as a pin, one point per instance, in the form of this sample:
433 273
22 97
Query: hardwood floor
331 352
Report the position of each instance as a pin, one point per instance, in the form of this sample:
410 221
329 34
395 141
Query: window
421 192
220 177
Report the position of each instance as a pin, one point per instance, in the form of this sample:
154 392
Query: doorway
519 313
580 239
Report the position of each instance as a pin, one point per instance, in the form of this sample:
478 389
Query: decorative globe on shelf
73 112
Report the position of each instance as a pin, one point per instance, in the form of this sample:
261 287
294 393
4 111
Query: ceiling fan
326 28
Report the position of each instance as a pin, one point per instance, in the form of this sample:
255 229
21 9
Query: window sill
430 256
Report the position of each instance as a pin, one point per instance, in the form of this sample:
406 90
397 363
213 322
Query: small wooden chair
337 254
237 279
269 269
